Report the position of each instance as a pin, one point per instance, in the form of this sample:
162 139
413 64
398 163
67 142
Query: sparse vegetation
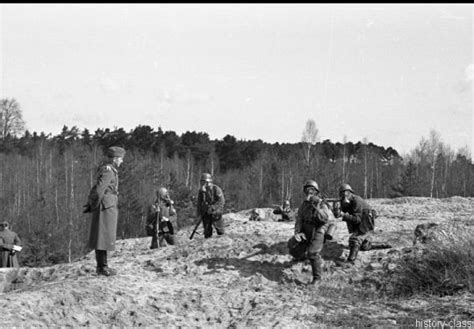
443 267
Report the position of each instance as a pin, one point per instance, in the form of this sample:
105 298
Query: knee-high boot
102 267
353 253
317 269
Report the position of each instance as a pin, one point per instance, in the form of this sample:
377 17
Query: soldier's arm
322 212
172 213
298 222
106 175
151 215
17 240
218 206
356 217
199 204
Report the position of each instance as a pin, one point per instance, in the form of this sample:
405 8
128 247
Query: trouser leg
355 241
170 239
161 239
207 225
314 254
101 259
219 225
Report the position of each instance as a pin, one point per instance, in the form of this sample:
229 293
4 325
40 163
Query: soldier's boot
317 269
353 254
102 267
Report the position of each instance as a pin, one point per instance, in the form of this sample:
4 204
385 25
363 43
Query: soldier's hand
165 219
315 199
299 237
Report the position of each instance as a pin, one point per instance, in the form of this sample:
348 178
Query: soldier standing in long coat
103 201
8 239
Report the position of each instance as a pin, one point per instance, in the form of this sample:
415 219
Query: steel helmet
345 187
162 192
311 183
206 177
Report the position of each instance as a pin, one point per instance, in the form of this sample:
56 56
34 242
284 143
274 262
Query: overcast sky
387 72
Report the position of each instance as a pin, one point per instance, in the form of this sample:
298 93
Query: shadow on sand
271 270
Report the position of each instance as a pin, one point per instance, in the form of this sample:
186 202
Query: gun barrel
332 199
195 228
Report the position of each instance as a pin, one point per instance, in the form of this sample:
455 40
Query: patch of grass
441 268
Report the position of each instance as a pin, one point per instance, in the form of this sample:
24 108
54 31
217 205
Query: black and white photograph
236 165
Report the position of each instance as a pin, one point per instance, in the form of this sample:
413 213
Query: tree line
45 179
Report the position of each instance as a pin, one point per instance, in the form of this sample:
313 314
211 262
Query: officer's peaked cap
115 151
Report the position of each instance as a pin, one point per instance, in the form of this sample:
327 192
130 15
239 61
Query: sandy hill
242 279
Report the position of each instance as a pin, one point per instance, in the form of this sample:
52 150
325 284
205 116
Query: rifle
195 228
332 199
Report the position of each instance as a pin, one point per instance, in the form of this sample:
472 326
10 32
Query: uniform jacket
7 240
357 213
310 214
162 208
103 229
211 201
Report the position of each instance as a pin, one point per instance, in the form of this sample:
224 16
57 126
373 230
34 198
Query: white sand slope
242 279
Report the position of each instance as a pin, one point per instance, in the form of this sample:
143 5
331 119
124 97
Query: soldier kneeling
310 228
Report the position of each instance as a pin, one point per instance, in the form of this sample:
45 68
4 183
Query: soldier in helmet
284 211
359 217
162 219
210 206
102 203
310 227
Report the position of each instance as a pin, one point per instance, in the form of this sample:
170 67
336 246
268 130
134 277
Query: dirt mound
245 278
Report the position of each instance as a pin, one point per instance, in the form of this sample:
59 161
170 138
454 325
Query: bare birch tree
11 119
434 147
309 138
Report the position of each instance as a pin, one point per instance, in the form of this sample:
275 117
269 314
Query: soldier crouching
359 217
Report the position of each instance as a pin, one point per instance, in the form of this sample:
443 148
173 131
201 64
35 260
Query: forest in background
45 179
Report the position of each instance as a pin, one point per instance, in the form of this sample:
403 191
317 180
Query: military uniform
162 230
210 206
8 256
103 204
359 219
312 220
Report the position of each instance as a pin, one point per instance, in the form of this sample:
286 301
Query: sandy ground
242 279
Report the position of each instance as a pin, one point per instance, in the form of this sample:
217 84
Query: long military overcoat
103 230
